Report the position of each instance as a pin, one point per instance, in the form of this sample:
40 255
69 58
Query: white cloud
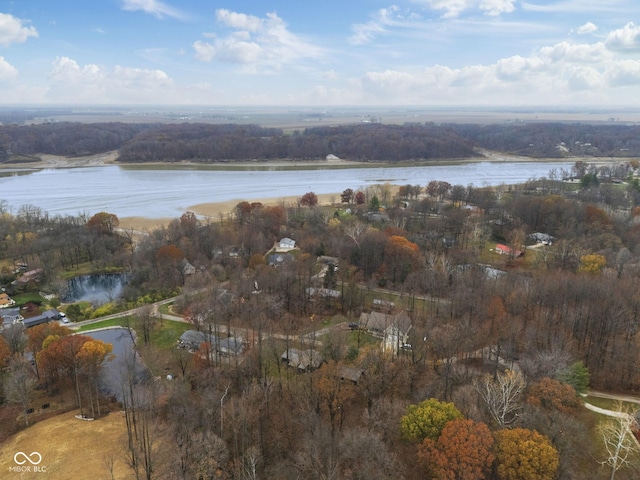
204 51
565 72
453 8
587 28
496 7
575 53
153 7
585 78
365 32
262 44
91 83
579 6
7 71
12 30
239 21
626 38
624 73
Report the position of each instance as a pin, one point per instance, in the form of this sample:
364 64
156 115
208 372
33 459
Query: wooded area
206 143
498 347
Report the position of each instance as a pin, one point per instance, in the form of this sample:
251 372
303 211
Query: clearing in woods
71 449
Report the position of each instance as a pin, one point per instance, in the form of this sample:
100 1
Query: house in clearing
303 360
505 250
192 340
393 329
285 244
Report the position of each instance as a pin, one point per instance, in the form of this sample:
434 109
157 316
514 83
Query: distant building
505 250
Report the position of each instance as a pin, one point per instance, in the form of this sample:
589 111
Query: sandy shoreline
215 211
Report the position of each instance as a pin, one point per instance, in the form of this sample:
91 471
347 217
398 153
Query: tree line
207 143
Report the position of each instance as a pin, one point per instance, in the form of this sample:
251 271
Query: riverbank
217 211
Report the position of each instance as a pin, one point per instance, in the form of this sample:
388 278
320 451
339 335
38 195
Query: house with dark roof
192 339
231 346
10 316
44 317
279 259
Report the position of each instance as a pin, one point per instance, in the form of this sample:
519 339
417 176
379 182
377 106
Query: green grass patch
31 297
609 404
166 309
167 334
164 336
113 322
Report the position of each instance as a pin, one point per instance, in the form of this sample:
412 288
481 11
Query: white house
285 244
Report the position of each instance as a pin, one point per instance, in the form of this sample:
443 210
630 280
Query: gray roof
302 359
194 338
379 321
44 317
231 346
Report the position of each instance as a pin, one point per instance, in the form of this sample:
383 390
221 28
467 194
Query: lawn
163 337
609 404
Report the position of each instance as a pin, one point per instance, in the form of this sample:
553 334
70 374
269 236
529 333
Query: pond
125 366
97 289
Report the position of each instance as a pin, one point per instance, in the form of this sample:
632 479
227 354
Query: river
168 192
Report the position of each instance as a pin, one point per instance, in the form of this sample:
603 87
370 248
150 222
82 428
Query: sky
320 53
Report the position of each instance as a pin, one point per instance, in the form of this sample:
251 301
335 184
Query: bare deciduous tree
622 449
502 396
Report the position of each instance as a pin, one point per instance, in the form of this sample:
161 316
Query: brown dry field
71 449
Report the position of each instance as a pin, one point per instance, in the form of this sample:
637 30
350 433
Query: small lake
168 192
96 289
125 363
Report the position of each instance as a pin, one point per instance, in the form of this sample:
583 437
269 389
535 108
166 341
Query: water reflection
125 368
162 193
97 289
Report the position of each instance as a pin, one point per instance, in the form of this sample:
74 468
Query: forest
485 383
375 142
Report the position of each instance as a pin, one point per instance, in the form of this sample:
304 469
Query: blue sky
297 52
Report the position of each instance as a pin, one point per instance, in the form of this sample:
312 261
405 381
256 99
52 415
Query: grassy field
609 404
70 448
163 337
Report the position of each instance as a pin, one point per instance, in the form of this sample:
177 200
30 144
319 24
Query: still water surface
162 193
96 288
